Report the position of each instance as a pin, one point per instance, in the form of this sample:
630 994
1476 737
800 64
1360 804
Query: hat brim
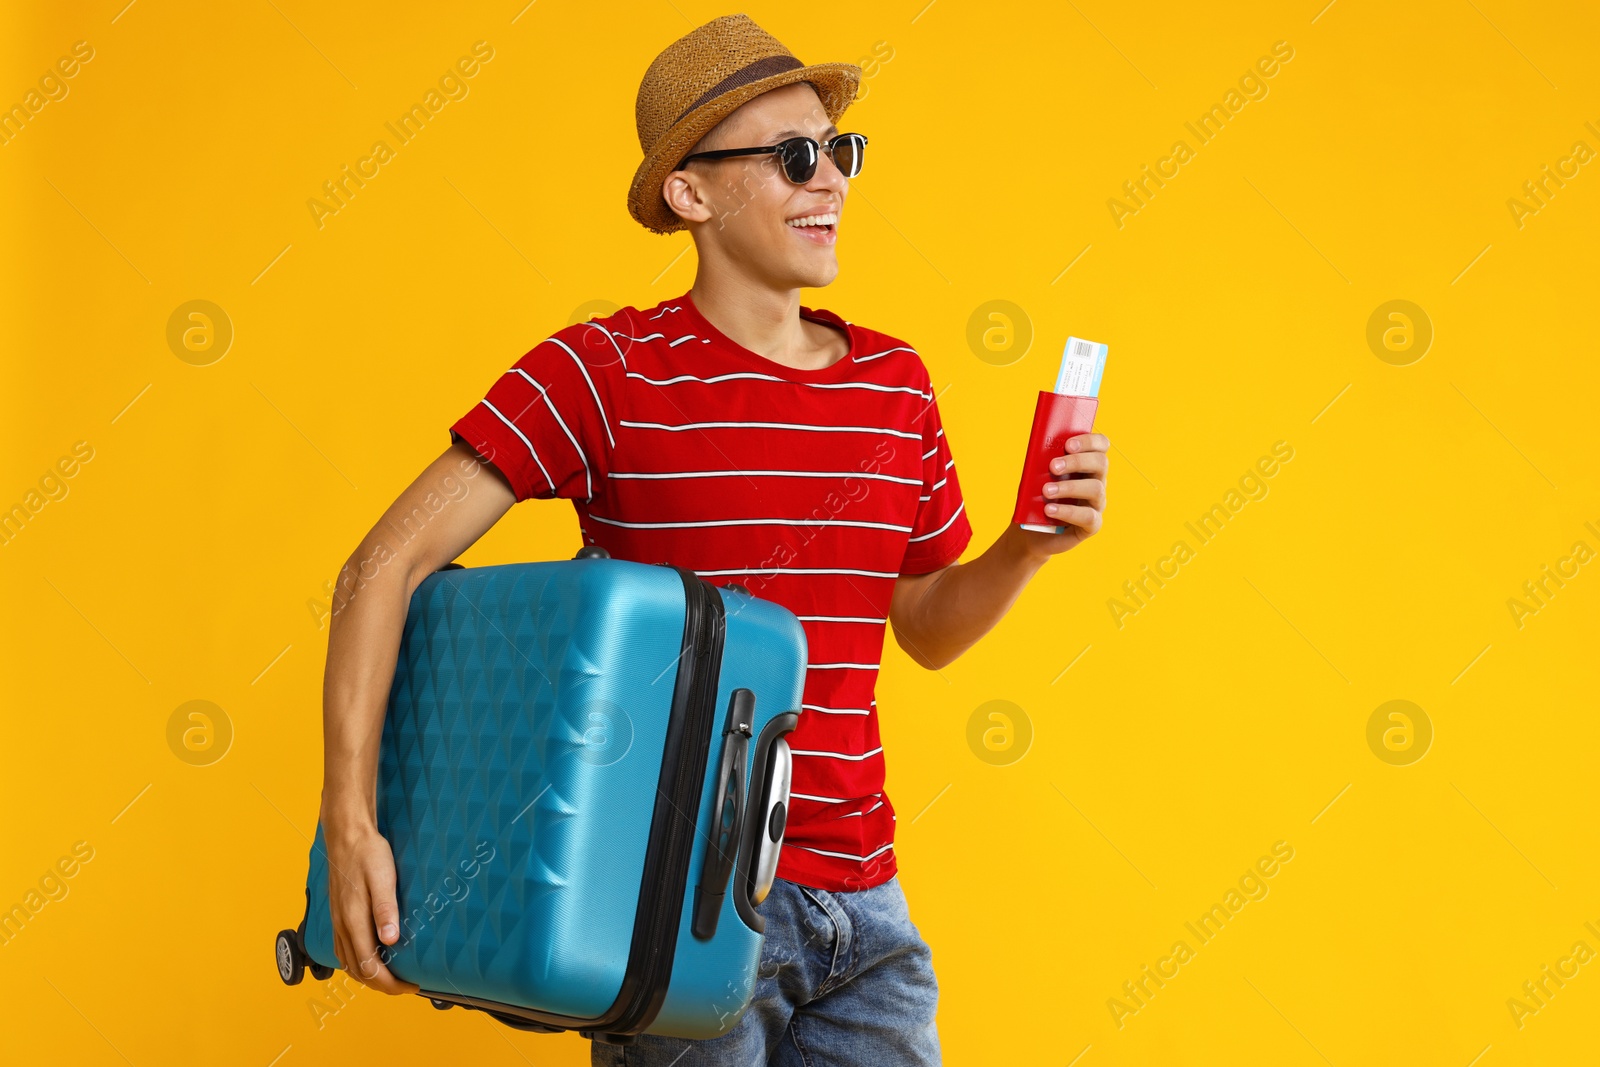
837 83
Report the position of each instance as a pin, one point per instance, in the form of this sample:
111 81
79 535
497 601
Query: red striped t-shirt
814 489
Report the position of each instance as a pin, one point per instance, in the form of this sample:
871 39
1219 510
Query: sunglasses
800 155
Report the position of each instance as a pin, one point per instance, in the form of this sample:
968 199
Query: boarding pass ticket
1082 364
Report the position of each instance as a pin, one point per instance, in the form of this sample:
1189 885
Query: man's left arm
939 615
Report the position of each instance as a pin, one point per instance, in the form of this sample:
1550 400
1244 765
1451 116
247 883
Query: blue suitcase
584 778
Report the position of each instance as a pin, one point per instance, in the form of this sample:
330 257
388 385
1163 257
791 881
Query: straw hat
696 82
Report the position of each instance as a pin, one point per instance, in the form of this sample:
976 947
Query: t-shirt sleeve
941 531
547 423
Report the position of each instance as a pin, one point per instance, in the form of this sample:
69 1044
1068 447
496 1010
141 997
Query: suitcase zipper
662 931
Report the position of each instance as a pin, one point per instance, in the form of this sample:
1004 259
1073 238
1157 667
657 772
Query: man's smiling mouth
822 228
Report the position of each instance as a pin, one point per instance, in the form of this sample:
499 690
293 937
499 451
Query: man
733 431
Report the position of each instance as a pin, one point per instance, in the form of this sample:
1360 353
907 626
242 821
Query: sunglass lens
800 159
847 152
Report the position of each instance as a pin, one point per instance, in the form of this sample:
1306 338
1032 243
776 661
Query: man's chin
816 274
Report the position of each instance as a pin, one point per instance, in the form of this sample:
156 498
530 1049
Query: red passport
1056 418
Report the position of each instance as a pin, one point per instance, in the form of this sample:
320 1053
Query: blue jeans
845 980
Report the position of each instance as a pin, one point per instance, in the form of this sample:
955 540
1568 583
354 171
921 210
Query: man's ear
683 197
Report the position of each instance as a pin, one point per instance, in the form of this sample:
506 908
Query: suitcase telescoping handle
728 814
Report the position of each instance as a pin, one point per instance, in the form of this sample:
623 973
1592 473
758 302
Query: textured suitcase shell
518 783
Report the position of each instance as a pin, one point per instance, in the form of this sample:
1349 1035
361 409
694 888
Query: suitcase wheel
609 1039
516 1022
291 961
442 1005
318 971
591 552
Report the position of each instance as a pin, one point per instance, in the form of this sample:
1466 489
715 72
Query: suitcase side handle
727 815
766 818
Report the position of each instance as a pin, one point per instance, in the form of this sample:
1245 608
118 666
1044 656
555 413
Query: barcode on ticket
1082 364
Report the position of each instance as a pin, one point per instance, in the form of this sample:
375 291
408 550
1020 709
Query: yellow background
1227 714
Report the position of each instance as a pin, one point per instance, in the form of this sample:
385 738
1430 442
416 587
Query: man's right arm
410 542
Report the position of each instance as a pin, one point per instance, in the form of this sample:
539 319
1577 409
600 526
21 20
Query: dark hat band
761 68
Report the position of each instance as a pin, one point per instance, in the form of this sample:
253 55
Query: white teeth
816 220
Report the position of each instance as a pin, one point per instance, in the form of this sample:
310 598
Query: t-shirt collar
839 370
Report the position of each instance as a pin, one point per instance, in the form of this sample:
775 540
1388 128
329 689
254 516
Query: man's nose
828 175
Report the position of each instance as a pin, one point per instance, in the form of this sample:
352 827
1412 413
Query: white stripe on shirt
604 420
791 474
519 433
828 800
620 355
885 352
802 570
588 479
846 855
775 378
839 618
771 426
869 811
749 522
834 755
836 711
946 526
